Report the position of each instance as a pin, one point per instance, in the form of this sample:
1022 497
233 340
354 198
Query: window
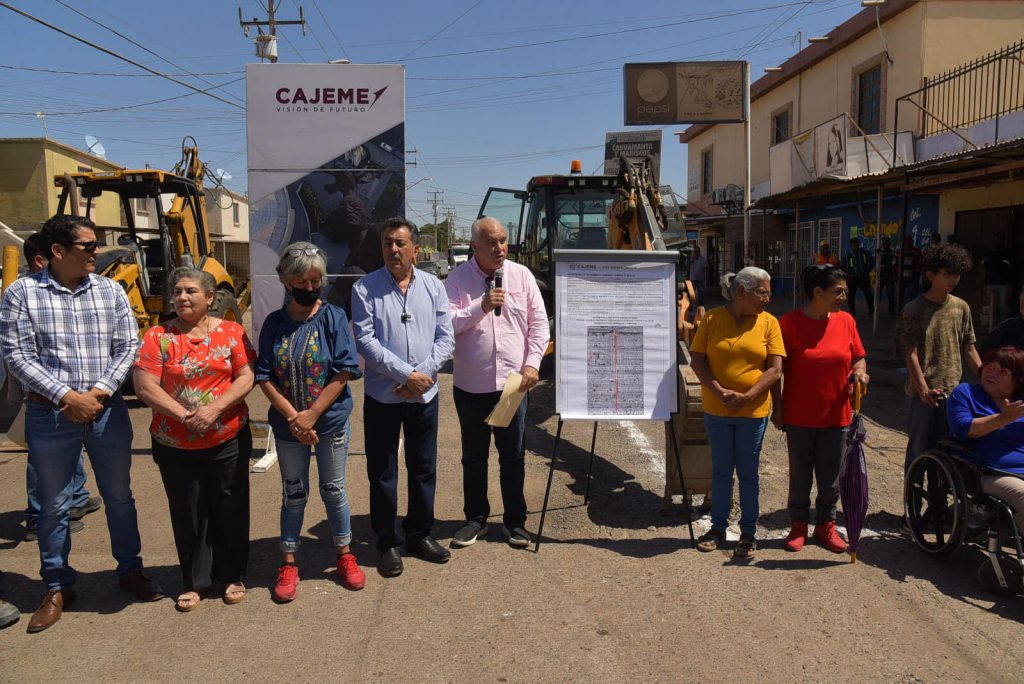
141 206
869 100
781 129
831 231
234 213
801 254
705 171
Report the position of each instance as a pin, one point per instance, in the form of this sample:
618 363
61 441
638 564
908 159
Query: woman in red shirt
824 355
194 372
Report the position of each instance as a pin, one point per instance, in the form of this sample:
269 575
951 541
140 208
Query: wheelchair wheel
1011 573
935 503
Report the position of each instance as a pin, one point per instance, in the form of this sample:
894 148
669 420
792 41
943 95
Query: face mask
306 297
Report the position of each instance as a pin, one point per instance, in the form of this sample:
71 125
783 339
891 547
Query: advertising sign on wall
634 146
685 92
830 147
326 145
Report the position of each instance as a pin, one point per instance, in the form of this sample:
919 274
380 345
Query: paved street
615 593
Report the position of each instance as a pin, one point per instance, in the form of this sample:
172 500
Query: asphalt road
615 594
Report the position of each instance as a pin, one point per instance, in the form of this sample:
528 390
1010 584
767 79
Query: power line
614 33
116 55
443 29
124 107
114 73
316 6
137 44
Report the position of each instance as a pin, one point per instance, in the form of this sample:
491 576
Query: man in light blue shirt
404 334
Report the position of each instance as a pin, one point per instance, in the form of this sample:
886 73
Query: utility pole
266 43
449 213
435 194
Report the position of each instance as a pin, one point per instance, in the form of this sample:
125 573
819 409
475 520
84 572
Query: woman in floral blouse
194 372
305 363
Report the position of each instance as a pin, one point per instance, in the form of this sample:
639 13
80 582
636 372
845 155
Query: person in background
936 335
82 503
737 356
69 336
887 274
824 355
998 278
404 334
990 416
1009 333
910 270
306 362
698 274
489 344
825 255
195 372
859 265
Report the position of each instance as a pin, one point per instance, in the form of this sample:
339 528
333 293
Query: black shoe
468 534
390 563
32 534
91 505
429 550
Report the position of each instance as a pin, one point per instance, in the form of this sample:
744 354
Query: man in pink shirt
498 329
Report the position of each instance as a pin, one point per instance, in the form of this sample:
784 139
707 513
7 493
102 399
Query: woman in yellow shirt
737 355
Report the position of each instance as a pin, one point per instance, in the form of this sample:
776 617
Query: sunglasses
89 246
299 251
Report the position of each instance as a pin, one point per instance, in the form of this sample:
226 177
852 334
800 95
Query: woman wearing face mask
306 359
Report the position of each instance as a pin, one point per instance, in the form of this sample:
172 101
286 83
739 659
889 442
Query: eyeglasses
762 294
89 246
822 267
299 251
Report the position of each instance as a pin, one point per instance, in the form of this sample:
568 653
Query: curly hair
953 258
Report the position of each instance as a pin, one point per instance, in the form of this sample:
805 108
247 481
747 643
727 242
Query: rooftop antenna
95 146
223 175
266 43
42 118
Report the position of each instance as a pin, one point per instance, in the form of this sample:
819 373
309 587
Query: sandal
234 593
745 547
710 540
187 602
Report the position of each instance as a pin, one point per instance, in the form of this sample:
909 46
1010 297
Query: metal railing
986 88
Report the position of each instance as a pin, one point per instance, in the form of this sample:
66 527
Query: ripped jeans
331 457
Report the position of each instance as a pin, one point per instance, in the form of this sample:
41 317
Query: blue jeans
735 446
79 497
331 458
54 449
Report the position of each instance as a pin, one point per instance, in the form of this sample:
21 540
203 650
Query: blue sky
496 91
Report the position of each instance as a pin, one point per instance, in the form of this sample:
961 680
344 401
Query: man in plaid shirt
70 338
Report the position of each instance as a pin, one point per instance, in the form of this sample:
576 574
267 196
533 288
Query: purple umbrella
853 479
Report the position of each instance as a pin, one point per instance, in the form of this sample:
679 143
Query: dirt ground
615 594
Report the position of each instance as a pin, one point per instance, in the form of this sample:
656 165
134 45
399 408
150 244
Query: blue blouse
1002 449
301 358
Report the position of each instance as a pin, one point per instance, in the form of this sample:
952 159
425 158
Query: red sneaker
287 583
349 572
829 538
797 537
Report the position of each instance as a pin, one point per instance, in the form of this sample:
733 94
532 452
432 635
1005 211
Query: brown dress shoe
141 586
50 610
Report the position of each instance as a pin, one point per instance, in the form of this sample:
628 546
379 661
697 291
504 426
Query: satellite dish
95 146
224 175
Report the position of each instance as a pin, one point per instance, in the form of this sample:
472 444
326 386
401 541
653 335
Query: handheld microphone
498 275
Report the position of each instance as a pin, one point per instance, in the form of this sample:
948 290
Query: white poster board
615 332
326 146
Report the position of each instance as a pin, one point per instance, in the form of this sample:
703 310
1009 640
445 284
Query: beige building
948 69
27 194
227 215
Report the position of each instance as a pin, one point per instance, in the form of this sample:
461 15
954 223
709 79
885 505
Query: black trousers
473 410
862 283
382 423
208 497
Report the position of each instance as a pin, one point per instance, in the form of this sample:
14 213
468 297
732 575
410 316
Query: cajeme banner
326 147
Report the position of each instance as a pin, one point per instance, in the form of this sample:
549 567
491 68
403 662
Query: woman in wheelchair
990 416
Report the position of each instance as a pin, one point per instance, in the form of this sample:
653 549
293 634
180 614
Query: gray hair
205 280
295 260
398 222
474 233
748 278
